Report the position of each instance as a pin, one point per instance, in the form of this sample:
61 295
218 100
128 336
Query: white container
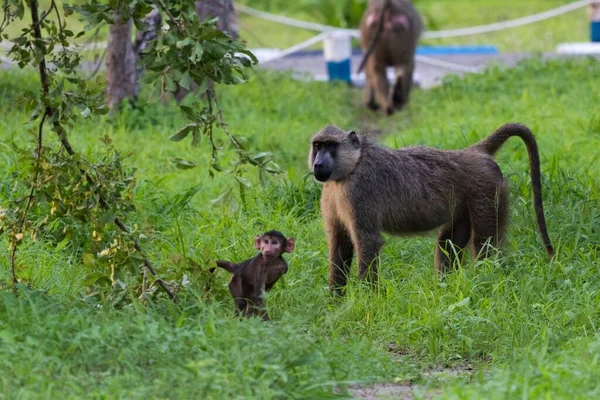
337 50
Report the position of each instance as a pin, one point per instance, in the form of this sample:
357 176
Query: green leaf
88 259
250 54
63 243
185 80
243 181
223 197
182 43
204 85
171 85
183 164
215 165
197 53
262 157
183 132
458 304
188 111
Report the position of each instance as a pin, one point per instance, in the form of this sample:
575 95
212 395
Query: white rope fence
447 65
321 36
475 30
326 30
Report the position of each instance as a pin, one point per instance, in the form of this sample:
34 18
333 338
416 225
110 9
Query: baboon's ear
354 140
291 244
257 241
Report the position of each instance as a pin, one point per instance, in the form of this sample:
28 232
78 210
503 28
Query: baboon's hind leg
489 216
451 243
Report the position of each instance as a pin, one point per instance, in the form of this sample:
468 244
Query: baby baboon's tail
492 144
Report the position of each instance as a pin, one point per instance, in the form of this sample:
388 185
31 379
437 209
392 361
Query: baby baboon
369 188
389 31
259 274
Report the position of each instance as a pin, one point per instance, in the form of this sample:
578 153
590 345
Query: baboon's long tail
492 144
386 4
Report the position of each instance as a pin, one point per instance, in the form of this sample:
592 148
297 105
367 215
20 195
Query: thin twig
35 21
171 17
60 25
144 278
221 122
147 262
37 24
6 17
210 130
38 156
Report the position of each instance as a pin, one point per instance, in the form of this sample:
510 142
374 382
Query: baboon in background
369 188
258 274
389 31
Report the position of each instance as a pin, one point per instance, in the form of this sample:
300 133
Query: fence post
594 14
337 50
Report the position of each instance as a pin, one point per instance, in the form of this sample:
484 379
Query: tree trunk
142 39
222 9
120 64
227 23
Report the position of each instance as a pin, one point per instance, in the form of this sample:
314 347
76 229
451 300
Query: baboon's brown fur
389 32
369 188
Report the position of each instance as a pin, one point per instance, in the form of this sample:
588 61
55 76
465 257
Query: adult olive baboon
389 31
369 188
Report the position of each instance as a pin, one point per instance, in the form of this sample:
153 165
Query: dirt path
426 75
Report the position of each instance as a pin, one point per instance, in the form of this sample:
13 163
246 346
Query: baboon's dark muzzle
322 172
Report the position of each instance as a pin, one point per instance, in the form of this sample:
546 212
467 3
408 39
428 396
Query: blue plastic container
595 31
339 71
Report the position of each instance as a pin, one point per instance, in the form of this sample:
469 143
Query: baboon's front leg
341 252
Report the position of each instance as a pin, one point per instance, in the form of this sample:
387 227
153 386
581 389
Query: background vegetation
526 327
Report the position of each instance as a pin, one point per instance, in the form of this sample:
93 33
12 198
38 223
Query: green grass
528 326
